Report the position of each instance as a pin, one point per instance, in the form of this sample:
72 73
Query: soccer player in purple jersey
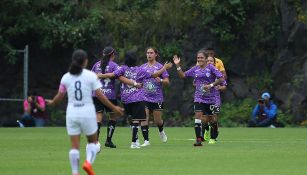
214 119
153 95
131 96
106 65
206 77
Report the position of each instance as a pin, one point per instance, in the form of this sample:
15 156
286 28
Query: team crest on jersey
150 87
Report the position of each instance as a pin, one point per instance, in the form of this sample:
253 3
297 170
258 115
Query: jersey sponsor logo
107 91
130 90
78 104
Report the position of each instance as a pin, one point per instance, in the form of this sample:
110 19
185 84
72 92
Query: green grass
44 151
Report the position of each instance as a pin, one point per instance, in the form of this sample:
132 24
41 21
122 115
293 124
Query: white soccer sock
91 151
74 156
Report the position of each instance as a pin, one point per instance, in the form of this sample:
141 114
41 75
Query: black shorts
100 107
154 106
135 111
207 109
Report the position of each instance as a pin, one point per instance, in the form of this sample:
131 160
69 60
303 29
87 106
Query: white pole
25 71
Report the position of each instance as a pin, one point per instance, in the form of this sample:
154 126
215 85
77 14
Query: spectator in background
264 113
34 111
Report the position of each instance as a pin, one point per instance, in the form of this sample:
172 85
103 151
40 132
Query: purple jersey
218 95
153 88
108 85
130 94
204 76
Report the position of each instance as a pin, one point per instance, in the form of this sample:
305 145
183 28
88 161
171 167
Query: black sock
198 129
98 130
145 132
134 131
205 127
214 130
161 127
110 129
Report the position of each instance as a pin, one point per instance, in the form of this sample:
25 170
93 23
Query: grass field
44 151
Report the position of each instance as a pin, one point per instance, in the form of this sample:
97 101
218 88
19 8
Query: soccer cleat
198 143
212 141
88 168
207 135
146 143
134 145
163 136
110 144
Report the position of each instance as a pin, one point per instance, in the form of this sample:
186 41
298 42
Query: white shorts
81 121
76 126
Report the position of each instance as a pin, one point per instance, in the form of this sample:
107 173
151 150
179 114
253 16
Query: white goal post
25 52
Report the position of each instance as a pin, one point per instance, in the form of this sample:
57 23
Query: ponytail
106 56
77 60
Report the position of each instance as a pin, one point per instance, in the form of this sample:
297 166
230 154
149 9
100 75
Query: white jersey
79 89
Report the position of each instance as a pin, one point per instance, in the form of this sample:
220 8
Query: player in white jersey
79 83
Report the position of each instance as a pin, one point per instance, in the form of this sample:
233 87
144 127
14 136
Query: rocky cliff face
290 69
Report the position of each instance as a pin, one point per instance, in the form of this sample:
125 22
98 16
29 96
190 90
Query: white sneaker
134 145
137 142
146 143
98 147
272 126
163 136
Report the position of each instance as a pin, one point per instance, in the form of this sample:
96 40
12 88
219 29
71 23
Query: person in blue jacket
264 113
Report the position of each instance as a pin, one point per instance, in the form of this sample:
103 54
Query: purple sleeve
120 71
165 74
114 66
224 83
94 68
190 72
216 72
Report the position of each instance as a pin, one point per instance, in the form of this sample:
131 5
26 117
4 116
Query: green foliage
175 119
285 118
237 113
301 13
57 117
263 80
298 80
138 24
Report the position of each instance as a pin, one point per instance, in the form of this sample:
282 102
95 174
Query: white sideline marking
246 140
